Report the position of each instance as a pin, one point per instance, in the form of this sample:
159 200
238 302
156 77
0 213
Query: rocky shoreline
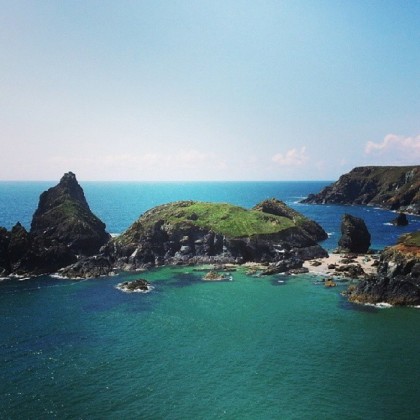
68 239
394 188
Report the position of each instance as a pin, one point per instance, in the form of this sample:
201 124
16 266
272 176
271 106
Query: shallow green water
248 348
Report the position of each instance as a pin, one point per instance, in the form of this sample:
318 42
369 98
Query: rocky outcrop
63 228
400 220
140 285
279 208
391 187
397 281
355 236
191 232
63 216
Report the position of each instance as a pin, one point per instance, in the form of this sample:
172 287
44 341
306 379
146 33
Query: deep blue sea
250 348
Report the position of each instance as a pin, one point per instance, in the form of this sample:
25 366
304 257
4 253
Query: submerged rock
215 276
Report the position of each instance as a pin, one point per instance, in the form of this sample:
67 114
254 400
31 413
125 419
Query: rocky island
191 232
391 187
63 229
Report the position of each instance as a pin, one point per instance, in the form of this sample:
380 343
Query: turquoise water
250 348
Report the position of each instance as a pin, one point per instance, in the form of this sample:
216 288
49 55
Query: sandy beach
365 262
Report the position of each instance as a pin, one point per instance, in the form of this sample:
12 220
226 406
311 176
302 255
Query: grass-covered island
191 232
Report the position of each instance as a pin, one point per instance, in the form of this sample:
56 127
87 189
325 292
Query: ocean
251 348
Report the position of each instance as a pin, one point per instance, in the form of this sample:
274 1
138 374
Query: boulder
355 236
400 220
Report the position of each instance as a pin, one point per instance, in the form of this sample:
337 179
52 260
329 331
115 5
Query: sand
365 261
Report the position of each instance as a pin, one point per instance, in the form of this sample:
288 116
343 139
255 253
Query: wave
381 305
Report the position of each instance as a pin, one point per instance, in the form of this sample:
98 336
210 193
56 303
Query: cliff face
63 227
191 232
398 278
391 187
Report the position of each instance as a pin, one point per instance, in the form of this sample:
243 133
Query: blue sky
207 90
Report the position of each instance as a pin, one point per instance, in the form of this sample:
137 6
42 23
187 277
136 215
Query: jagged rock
89 267
63 215
4 255
391 187
355 236
63 227
400 220
330 283
397 281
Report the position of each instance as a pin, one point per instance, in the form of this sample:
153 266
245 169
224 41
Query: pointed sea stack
355 236
63 216
63 228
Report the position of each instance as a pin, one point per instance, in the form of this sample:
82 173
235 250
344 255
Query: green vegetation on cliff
226 219
391 187
410 239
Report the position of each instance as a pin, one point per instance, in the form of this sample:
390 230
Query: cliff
391 187
190 232
398 277
63 228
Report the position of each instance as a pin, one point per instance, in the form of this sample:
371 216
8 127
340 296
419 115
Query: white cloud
293 157
396 149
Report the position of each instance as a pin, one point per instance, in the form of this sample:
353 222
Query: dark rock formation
210 233
279 208
400 220
397 281
391 187
355 236
139 285
4 256
63 216
63 227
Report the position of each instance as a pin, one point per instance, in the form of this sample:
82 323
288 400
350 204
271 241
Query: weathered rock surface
391 187
355 236
397 281
191 232
63 228
63 216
